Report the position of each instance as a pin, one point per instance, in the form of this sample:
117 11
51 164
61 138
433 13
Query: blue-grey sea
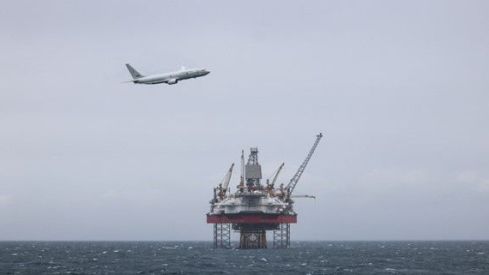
406 257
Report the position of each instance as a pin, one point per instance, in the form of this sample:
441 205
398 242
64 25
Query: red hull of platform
252 219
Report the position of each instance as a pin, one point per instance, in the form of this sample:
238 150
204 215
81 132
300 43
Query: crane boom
295 179
275 176
304 196
227 178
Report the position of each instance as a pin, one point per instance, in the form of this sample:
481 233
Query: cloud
474 180
6 200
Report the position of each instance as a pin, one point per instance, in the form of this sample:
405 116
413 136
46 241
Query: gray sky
400 89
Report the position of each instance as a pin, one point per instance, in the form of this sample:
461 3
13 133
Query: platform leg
281 236
222 235
252 239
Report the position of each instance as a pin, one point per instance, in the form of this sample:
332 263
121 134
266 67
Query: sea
324 257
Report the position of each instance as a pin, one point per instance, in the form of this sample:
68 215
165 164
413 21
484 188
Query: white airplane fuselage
168 78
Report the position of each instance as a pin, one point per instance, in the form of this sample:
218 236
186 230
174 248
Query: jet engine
172 81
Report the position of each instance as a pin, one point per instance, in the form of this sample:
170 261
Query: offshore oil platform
255 207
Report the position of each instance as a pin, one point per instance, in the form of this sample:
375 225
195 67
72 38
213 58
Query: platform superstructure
255 207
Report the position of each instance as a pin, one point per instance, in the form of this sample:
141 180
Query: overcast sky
399 88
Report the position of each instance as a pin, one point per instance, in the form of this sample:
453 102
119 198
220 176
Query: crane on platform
275 175
222 188
295 179
227 178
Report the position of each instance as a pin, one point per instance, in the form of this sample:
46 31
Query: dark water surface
462 257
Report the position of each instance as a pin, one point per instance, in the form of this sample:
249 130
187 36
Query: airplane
168 78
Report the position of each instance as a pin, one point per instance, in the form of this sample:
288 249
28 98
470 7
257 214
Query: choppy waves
462 257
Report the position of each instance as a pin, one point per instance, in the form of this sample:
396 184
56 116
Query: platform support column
222 235
250 239
281 236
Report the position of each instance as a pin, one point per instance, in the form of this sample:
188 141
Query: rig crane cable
295 179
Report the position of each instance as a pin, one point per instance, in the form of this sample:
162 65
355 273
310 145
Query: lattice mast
295 179
275 176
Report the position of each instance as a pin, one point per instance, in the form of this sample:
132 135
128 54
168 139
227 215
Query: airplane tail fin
135 74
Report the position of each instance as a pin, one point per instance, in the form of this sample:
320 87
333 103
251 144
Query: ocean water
458 257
